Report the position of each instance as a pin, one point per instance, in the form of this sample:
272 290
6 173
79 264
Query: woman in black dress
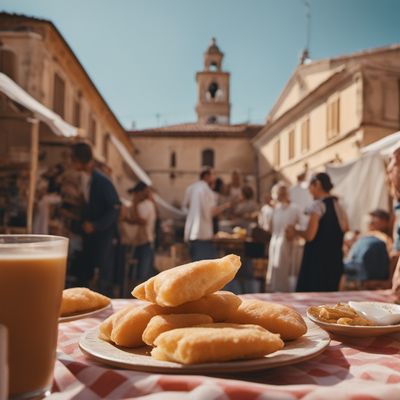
322 263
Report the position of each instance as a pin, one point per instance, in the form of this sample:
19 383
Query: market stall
24 123
361 184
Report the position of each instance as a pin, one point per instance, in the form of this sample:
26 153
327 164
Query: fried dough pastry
164 323
340 313
126 327
219 306
214 343
188 282
80 299
276 318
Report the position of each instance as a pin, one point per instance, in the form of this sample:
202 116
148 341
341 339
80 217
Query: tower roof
213 48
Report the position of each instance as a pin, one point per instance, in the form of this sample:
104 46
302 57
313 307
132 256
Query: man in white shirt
143 215
200 203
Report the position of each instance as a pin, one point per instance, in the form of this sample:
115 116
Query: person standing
322 263
143 215
282 264
100 219
265 215
235 186
200 204
301 197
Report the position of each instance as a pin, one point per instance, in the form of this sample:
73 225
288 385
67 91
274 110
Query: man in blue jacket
100 219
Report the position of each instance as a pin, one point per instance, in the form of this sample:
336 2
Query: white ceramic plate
308 346
355 331
84 314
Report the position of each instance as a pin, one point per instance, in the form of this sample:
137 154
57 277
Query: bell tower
213 105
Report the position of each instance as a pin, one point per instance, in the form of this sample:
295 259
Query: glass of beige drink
32 274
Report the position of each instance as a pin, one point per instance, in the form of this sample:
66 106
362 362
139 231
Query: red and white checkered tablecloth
355 368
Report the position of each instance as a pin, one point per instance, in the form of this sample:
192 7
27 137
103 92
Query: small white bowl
377 312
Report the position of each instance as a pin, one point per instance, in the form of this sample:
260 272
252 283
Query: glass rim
41 240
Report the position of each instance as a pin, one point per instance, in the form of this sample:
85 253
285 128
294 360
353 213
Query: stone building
327 111
173 156
36 56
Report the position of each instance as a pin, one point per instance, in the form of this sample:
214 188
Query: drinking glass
32 275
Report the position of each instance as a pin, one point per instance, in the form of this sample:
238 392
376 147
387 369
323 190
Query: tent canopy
20 96
385 146
138 171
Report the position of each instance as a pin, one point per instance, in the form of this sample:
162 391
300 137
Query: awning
138 171
384 146
20 96
130 161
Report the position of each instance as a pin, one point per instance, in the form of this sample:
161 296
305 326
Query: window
291 145
276 161
305 135
76 117
333 118
212 89
59 95
207 158
212 119
172 160
92 130
8 63
106 142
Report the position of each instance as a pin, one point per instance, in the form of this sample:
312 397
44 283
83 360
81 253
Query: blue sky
143 54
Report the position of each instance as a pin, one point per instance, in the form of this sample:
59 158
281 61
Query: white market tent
42 113
62 128
138 171
39 113
361 184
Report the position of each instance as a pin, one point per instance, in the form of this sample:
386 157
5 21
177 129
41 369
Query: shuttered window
59 95
8 64
305 135
276 161
92 130
333 118
291 148
77 113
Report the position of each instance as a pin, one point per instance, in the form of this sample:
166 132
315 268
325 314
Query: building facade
173 156
35 55
328 111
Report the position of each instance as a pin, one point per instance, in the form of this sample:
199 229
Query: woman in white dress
282 263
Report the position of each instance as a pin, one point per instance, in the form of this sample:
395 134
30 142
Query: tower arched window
213 89
8 63
213 66
172 160
207 158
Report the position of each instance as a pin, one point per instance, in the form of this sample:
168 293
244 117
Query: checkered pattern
350 368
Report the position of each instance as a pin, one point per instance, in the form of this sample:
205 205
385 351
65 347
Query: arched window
212 89
207 158
8 63
172 160
213 66
212 119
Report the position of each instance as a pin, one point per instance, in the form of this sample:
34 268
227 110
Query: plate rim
237 366
85 314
